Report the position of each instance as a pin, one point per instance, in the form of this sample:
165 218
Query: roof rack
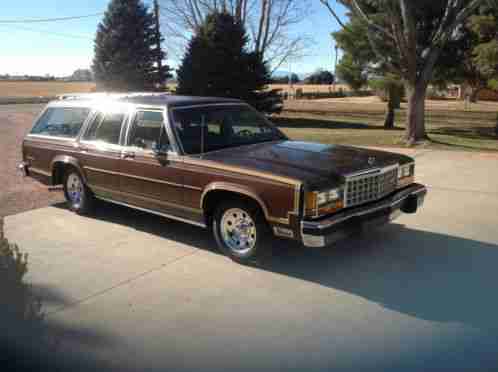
110 95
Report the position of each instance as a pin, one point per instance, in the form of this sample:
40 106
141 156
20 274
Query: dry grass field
42 88
311 88
53 88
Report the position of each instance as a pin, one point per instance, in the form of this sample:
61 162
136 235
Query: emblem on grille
371 160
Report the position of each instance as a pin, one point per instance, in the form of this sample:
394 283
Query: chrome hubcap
74 188
238 230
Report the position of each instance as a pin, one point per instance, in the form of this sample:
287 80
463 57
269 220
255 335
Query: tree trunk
415 120
389 119
474 93
391 103
496 128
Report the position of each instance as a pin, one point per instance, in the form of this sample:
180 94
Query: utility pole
335 65
158 42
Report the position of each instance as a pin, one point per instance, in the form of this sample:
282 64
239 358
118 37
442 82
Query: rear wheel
78 195
241 231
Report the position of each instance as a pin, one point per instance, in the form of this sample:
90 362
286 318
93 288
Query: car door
150 180
100 152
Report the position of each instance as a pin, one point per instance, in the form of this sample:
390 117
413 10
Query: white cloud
41 65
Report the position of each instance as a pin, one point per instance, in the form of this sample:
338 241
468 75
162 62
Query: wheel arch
58 166
214 190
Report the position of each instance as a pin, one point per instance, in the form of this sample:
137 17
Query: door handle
127 155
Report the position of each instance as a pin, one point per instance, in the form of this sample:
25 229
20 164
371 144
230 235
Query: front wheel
77 194
240 231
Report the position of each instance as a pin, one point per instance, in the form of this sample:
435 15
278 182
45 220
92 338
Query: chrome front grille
370 185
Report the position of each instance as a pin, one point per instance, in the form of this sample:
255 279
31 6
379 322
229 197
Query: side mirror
160 151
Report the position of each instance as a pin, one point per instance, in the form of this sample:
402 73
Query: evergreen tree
217 63
125 49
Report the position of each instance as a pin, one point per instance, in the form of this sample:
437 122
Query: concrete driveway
132 291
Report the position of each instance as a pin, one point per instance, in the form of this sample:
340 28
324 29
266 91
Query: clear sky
62 47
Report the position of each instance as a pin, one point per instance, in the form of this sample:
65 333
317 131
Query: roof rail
110 95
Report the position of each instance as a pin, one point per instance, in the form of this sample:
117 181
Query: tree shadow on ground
467 132
322 123
423 274
51 345
460 146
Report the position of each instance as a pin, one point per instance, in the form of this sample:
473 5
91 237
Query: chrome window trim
51 105
172 108
166 126
44 136
94 115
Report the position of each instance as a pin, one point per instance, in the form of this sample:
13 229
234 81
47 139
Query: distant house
81 74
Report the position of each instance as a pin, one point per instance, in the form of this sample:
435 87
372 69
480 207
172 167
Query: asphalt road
130 291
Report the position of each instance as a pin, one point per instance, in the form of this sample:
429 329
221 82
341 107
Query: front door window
147 131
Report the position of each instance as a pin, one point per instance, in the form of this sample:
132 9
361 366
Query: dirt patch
17 193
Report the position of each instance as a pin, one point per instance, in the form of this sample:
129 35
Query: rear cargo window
61 121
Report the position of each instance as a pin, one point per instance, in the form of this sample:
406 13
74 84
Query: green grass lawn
456 130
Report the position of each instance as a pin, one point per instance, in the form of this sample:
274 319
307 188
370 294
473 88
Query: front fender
239 189
67 160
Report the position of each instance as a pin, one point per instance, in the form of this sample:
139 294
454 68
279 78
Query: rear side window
105 128
61 121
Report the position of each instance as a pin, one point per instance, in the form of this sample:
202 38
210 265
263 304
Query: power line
49 32
41 20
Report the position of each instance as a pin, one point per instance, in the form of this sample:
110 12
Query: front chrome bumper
329 229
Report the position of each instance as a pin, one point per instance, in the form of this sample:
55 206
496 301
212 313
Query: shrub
433 93
336 94
21 319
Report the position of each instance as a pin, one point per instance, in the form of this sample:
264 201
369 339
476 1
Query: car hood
308 162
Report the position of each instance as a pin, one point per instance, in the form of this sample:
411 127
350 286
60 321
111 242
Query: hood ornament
371 160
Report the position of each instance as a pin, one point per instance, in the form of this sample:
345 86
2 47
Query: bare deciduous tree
269 23
416 43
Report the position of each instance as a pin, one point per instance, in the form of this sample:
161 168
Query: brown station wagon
215 163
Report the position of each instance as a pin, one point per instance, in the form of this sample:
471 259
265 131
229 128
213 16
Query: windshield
222 127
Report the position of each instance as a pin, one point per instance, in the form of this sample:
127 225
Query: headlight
406 171
406 175
321 202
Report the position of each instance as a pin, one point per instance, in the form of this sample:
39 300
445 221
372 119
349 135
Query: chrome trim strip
193 187
226 186
58 138
369 171
102 171
154 212
136 177
152 200
175 107
39 171
240 170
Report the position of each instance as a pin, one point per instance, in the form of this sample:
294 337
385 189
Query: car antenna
202 135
